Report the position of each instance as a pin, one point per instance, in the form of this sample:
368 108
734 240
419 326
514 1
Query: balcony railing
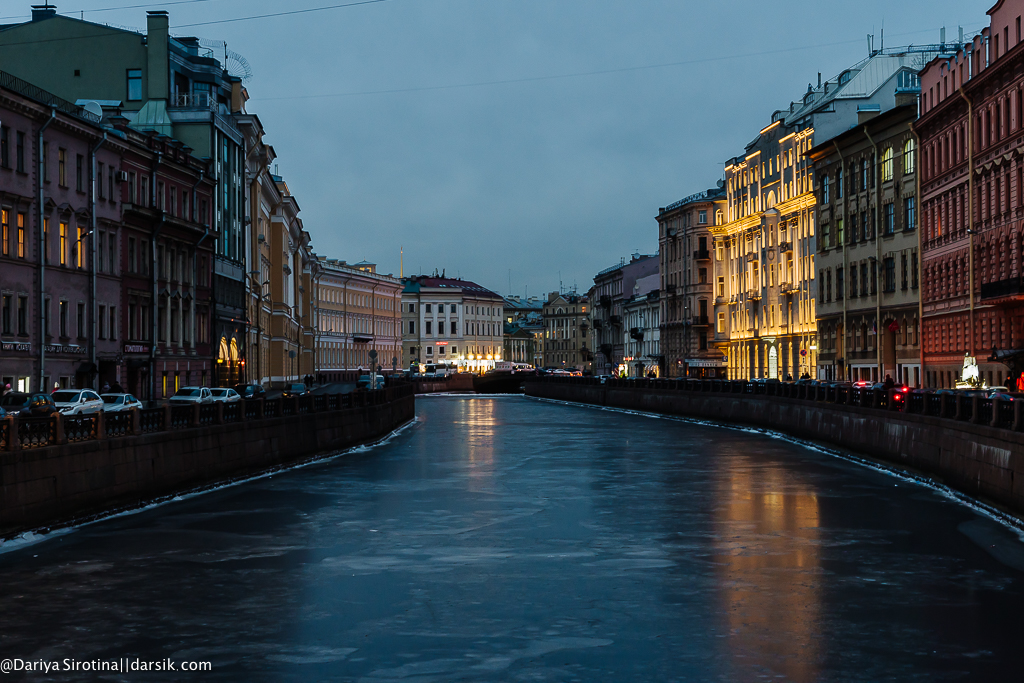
615 320
754 294
702 255
197 100
700 321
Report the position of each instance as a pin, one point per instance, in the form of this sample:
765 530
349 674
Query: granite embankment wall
169 451
460 383
983 461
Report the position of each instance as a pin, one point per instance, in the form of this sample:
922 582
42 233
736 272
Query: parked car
366 380
39 405
14 402
297 389
77 401
192 395
248 391
1000 396
225 395
116 403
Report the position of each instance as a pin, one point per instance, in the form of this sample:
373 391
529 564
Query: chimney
866 112
159 67
40 12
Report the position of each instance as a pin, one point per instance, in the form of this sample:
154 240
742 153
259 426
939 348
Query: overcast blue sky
523 180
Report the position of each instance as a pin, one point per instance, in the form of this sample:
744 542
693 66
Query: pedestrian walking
7 389
106 388
1020 382
56 386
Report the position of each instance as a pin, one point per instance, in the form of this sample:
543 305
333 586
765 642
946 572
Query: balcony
598 324
1012 288
636 333
754 294
606 301
701 255
785 247
751 257
198 100
789 288
700 321
616 320
671 289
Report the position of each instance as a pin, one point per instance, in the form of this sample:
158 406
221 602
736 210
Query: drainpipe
846 263
878 255
920 258
42 252
153 273
970 208
195 263
92 273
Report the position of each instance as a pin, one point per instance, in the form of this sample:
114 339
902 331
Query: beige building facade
358 314
764 256
566 319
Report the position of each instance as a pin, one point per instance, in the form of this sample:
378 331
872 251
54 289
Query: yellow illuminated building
764 258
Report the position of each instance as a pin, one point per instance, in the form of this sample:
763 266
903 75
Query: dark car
13 402
297 389
39 405
250 391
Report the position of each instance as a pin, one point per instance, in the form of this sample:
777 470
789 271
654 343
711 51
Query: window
99 179
63 238
79 249
910 213
62 167
99 251
903 271
5 326
5 144
428 308
131 255
840 284
890 219
21 235
908 156
5 229
824 189
79 173
853 282
890 274
702 217
101 322
887 165
20 151
63 320
23 315
412 308
46 240
44 162
455 326
134 85
81 321
110 181
839 183
113 324
412 326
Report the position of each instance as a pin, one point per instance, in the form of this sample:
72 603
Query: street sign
373 354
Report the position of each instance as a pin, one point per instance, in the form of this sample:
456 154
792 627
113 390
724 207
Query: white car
116 403
77 401
192 395
225 395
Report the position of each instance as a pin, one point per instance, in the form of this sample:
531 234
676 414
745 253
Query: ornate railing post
58 429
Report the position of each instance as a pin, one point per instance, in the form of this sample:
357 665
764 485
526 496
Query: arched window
908 156
887 164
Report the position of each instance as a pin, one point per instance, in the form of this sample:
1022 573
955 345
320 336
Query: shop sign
17 346
136 348
60 348
705 363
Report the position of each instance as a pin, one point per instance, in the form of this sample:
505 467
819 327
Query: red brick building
971 133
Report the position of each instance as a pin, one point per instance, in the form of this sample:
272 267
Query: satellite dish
93 107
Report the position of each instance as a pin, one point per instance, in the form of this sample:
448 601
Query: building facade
566 322
610 290
642 343
867 260
166 260
358 311
452 321
171 86
972 204
60 226
689 285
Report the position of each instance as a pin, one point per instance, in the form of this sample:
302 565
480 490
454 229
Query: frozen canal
505 539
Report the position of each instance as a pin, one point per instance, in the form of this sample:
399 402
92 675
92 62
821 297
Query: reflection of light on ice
33 537
1012 523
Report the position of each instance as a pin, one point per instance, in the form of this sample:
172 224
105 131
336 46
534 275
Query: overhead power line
77 12
580 74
